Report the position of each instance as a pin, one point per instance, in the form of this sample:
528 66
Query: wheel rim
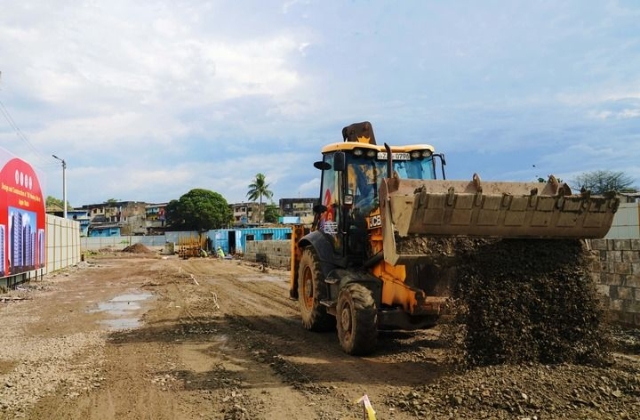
346 321
307 288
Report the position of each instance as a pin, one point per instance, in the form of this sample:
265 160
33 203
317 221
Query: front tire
357 320
311 290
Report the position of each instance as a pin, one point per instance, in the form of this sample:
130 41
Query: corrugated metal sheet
235 240
265 234
177 235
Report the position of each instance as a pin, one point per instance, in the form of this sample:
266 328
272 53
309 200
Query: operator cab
352 172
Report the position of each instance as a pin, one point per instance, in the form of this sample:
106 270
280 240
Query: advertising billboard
22 217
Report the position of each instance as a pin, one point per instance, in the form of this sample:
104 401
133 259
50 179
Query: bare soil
140 336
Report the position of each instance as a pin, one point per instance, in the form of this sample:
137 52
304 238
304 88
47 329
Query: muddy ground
140 336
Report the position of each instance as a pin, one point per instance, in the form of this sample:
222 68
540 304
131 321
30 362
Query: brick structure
273 253
617 277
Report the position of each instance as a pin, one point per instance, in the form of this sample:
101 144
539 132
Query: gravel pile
529 391
528 332
520 301
137 249
42 365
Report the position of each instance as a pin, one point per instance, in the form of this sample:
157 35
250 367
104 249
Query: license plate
394 156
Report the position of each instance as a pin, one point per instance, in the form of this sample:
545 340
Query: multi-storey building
155 218
298 207
245 214
128 216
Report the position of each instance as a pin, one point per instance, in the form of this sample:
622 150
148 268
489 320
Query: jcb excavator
369 261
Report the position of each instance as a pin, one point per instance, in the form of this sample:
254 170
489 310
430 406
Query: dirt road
146 337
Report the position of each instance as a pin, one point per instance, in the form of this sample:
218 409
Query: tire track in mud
269 325
244 392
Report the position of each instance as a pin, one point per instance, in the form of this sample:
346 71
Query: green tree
199 210
544 180
600 182
55 202
258 189
271 213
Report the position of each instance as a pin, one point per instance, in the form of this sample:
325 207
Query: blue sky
146 100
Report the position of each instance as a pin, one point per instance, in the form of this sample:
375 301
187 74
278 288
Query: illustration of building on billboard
22 240
22 217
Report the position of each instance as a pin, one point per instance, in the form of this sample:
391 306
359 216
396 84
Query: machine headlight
426 153
371 153
357 152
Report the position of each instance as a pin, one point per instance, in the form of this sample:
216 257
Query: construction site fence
118 243
616 273
62 250
63 243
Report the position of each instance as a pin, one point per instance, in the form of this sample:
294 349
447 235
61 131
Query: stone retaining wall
617 276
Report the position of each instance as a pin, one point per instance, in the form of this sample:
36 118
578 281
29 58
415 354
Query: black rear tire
357 320
311 290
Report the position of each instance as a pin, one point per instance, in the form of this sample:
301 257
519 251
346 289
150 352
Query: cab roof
349 146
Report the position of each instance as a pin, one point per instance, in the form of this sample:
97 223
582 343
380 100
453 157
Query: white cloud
149 99
104 54
592 98
620 115
629 113
310 188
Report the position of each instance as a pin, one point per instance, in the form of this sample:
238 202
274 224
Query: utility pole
64 186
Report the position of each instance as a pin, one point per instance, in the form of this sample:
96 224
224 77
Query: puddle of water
121 323
131 297
117 308
122 307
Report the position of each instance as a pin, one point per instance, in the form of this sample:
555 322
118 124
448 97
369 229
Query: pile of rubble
521 301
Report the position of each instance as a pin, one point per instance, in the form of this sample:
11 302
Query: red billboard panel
22 217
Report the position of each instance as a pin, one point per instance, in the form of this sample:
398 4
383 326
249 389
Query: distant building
298 207
246 214
128 216
79 215
82 217
629 197
104 230
155 218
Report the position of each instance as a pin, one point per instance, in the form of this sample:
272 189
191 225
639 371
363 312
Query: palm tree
258 189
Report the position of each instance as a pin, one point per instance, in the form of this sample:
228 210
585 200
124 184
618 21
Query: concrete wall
118 243
63 243
273 253
617 276
626 222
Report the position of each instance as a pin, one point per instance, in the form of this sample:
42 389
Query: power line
7 116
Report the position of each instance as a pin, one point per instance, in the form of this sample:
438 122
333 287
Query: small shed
234 241
104 231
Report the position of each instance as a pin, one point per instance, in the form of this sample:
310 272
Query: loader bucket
441 208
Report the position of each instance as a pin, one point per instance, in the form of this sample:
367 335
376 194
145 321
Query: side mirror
322 165
339 161
319 209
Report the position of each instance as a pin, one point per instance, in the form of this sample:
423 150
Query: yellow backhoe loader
370 260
